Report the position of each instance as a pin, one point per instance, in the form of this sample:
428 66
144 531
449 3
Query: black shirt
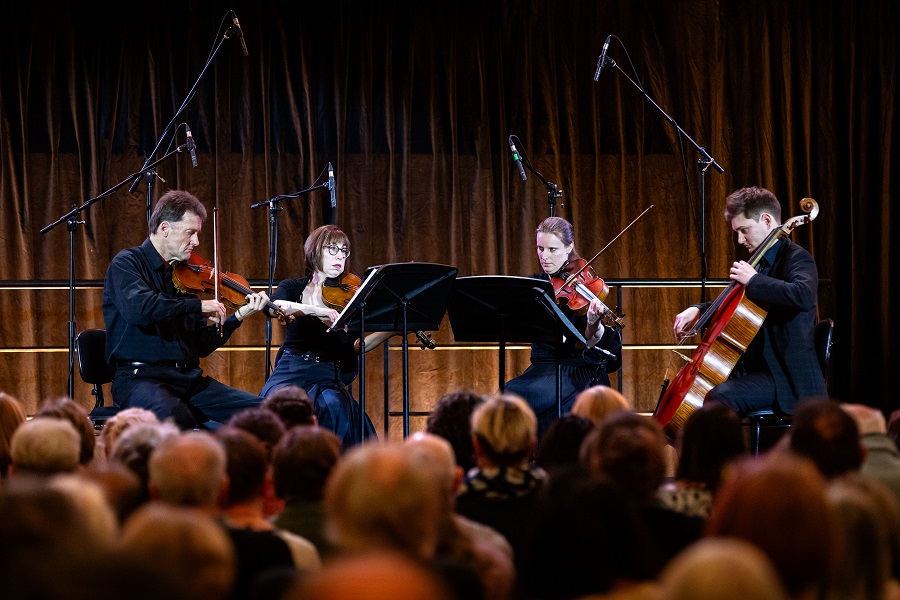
147 319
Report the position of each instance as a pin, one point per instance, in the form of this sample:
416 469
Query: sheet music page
363 286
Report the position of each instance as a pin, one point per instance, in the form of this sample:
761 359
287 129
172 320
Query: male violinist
155 335
780 366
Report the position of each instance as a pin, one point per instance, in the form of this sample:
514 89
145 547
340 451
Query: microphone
331 185
240 34
191 146
518 159
602 61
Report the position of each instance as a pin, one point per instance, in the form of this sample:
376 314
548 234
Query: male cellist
780 366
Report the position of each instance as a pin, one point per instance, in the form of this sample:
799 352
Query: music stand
499 308
399 297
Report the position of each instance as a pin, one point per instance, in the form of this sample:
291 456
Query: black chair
779 423
90 347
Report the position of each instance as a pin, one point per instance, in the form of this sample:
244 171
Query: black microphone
518 159
191 146
331 186
602 61
240 34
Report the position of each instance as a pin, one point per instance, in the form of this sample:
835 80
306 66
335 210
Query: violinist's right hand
685 320
323 313
214 311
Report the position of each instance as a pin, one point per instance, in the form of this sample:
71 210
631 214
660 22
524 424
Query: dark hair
560 445
451 420
561 229
262 423
823 432
317 240
752 202
711 437
292 405
246 463
303 460
172 207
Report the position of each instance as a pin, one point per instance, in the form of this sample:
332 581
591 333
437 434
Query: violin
197 275
580 287
337 293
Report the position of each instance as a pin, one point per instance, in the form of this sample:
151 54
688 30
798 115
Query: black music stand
400 297
499 308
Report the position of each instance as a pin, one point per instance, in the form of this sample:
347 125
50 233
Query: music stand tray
500 308
399 297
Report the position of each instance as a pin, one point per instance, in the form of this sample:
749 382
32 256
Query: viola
197 275
580 287
337 293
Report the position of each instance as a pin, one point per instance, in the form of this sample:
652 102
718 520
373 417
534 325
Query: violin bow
215 273
575 275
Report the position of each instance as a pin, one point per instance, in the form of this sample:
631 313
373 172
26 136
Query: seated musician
580 367
779 367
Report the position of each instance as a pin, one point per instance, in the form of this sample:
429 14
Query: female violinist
321 361
581 367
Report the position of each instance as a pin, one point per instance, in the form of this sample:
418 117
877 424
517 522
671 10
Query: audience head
134 446
823 432
66 408
599 401
372 575
246 464
91 502
893 427
777 502
561 443
303 460
504 431
116 425
262 423
292 405
435 457
867 419
45 447
711 438
191 549
378 498
12 414
629 449
452 420
721 569
189 470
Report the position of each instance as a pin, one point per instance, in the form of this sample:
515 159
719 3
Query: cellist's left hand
742 271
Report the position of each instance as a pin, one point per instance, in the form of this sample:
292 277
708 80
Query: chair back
823 342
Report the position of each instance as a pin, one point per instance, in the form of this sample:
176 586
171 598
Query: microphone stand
274 209
72 223
553 191
703 163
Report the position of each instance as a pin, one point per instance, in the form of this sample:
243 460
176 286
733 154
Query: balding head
189 470
435 456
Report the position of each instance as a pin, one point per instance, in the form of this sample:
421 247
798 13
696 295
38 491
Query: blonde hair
505 428
598 402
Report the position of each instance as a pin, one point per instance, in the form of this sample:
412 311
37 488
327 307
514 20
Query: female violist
321 361
580 366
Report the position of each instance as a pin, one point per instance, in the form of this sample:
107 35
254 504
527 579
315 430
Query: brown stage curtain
413 106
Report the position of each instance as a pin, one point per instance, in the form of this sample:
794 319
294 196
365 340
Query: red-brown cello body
731 322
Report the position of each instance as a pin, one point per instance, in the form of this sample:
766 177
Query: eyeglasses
334 249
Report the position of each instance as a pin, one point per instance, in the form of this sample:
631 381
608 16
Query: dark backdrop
413 106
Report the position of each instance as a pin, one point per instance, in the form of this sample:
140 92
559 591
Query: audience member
134 446
91 502
452 420
43 447
881 457
247 468
462 540
721 569
823 432
712 437
66 408
12 414
264 424
777 502
181 544
598 402
292 405
301 464
561 443
500 491
116 425
629 450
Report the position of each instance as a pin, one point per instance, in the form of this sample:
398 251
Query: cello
731 323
